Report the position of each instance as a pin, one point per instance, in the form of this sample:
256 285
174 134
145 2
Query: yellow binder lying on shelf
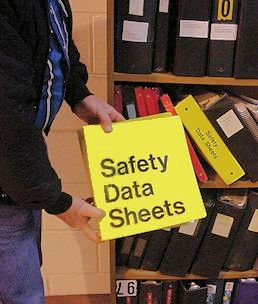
141 175
208 141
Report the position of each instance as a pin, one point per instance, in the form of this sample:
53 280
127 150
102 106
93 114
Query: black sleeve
76 89
26 174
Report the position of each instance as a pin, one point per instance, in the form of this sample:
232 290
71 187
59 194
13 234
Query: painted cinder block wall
71 263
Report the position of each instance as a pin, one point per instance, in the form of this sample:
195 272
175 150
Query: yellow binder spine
208 141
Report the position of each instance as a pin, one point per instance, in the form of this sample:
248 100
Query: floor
94 299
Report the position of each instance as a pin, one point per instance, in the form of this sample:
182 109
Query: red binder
140 101
151 99
198 168
118 99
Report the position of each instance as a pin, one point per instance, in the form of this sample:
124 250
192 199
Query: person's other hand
93 111
78 216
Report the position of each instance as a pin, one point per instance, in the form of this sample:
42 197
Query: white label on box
224 32
222 225
163 6
212 288
136 7
126 288
229 123
194 28
229 286
254 222
188 228
135 31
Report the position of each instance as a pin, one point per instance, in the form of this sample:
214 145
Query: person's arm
82 102
26 174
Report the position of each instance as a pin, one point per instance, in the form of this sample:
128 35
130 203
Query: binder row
227 239
244 291
231 146
189 38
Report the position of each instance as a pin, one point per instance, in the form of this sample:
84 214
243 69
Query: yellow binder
141 175
208 140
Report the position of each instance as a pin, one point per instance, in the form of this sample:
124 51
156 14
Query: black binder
129 102
137 253
220 233
192 37
228 291
223 36
245 246
169 292
246 63
123 249
186 239
191 293
134 35
215 291
155 249
160 58
238 138
150 292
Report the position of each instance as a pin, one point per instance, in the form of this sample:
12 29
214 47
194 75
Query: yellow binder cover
141 175
208 140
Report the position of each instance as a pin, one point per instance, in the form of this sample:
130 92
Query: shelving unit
123 273
214 180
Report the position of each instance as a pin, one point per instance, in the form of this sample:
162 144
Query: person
39 68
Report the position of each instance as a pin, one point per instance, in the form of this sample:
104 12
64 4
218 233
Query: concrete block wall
73 264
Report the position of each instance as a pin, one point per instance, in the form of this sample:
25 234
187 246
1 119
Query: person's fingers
90 211
105 121
116 116
90 233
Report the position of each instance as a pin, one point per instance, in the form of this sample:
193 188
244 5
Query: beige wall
72 264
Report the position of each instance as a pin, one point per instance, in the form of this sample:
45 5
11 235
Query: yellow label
142 176
208 140
225 9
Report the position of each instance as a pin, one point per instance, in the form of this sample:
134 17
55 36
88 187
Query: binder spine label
254 222
228 293
139 248
222 225
211 294
136 7
194 29
149 298
135 31
225 9
126 288
189 228
226 32
131 111
229 123
163 6
169 296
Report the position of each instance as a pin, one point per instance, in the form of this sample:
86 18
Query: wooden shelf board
170 78
138 274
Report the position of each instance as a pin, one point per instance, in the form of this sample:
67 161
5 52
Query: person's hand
78 216
92 111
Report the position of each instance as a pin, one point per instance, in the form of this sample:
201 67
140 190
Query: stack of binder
189 38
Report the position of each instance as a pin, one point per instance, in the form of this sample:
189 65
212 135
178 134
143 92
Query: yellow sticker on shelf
141 175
